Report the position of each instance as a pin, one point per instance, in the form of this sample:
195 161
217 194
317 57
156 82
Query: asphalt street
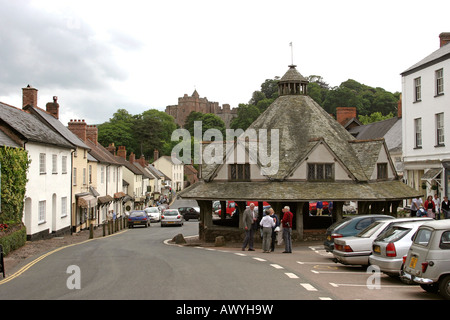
139 264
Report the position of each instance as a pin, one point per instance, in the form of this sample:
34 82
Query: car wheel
444 287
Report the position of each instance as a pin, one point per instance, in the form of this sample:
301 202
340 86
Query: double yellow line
32 263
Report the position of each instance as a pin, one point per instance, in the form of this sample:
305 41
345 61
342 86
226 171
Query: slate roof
292 75
30 127
57 125
442 53
298 191
389 129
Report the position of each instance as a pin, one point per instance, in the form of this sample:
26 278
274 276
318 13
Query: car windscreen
393 234
370 230
153 209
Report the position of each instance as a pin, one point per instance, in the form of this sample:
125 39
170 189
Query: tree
246 114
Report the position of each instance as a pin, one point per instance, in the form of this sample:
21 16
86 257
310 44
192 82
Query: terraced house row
73 181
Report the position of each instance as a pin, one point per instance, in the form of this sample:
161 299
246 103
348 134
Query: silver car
428 260
390 247
171 217
355 250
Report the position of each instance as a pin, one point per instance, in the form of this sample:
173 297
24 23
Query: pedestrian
275 229
267 224
445 206
249 226
416 203
286 222
437 206
319 207
429 206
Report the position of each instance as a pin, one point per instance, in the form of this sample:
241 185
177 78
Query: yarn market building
318 160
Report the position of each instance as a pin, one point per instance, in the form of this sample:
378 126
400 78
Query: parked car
355 250
154 214
138 218
349 226
230 209
189 213
428 259
390 247
171 217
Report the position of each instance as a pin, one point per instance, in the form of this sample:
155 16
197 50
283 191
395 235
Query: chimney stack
92 134
155 155
142 161
122 152
78 127
444 38
53 107
344 114
132 158
399 107
112 148
29 96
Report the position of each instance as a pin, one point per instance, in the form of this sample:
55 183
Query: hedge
13 240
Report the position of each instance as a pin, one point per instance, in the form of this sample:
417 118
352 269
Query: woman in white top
267 223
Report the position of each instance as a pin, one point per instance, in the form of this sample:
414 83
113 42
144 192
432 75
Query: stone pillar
338 209
205 217
299 218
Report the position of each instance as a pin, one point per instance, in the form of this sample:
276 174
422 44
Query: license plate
413 262
376 249
170 222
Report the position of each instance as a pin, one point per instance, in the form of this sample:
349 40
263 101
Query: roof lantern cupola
292 83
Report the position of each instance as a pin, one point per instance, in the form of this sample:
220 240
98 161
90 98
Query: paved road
138 264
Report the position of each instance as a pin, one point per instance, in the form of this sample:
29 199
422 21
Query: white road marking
301 262
277 266
259 259
342 272
325 298
291 275
308 287
336 285
240 254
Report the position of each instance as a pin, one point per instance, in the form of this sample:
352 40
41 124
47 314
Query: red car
231 207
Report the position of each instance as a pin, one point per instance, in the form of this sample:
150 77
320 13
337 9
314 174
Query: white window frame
417 89
64 164
54 163
440 129
439 82
42 165
418 133
42 209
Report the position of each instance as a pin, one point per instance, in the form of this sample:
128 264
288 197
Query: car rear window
339 223
393 234
422 237
445 240
370 230
137 214
170 213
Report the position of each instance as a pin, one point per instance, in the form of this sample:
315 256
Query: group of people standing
431 208
270 225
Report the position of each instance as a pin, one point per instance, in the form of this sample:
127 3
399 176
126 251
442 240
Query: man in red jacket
286 222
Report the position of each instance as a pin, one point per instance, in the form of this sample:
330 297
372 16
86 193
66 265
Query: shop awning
119 195
105 200
431 174
87 201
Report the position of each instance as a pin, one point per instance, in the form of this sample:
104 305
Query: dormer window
239 172
320 172
382 171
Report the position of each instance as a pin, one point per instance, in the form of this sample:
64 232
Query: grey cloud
50 51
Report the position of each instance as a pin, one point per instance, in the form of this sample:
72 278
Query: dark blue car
138 218
349 226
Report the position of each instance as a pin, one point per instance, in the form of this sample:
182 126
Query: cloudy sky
98 56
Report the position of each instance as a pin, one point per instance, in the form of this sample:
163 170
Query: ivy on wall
14 167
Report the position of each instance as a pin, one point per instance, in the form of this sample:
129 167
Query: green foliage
209 121
374 117
14 167
14 240
141 134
